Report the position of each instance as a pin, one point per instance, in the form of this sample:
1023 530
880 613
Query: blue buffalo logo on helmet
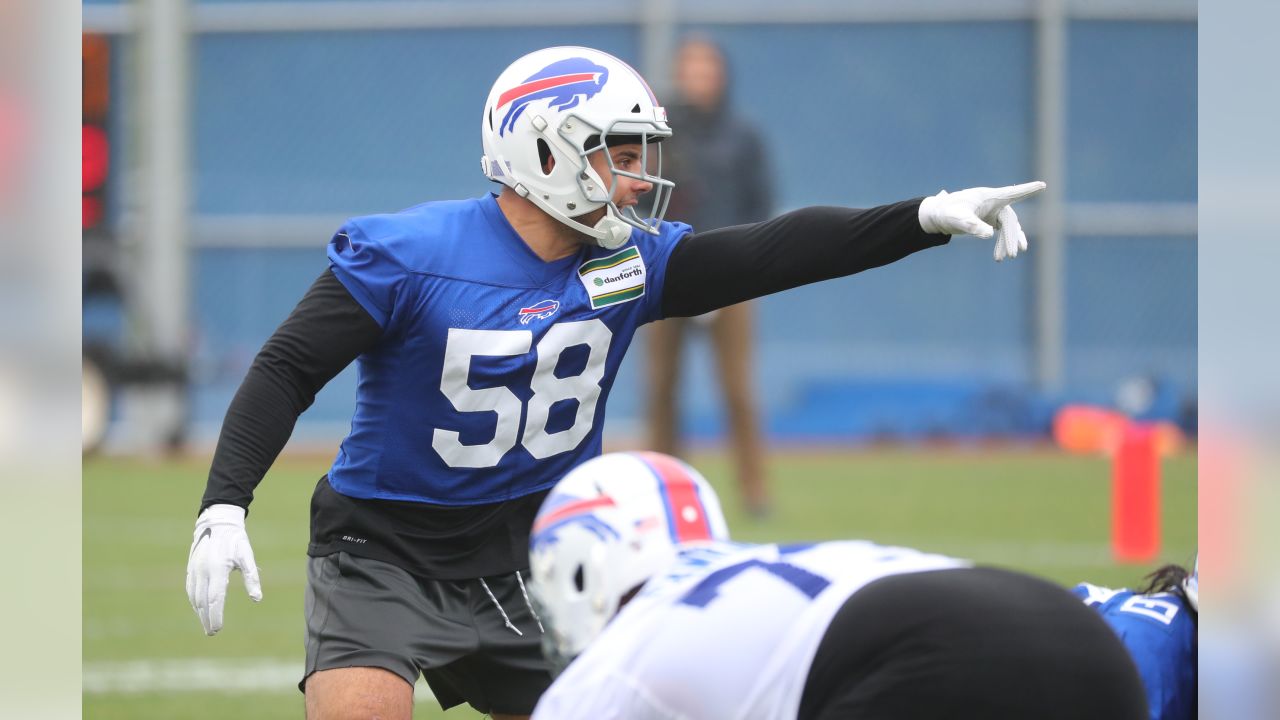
561 510
564 82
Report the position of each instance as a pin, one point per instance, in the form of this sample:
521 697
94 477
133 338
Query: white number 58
547 389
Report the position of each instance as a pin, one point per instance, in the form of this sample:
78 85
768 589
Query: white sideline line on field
195 675
141 676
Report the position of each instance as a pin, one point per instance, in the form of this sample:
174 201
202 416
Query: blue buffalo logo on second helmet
564 82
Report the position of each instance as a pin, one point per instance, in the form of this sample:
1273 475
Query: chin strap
609 232
614 232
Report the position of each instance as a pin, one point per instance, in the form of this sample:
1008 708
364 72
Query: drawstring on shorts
498 605
501 611
528 604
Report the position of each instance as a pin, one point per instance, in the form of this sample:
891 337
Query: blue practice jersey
490 380
1160 634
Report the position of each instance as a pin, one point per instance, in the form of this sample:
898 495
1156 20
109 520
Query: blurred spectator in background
718 163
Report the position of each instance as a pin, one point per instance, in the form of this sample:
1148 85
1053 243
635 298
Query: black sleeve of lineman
722 267
324 333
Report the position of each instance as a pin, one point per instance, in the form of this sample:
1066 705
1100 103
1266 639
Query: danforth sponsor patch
613 279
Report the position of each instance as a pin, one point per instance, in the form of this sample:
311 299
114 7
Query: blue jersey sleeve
368 270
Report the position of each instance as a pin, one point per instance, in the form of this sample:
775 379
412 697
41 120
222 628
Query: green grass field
145 655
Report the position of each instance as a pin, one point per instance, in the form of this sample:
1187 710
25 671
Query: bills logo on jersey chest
538 311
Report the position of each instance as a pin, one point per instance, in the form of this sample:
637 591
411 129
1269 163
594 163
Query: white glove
221 544
982 212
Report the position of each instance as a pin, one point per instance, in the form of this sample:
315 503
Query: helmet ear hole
544 156
578 581
490 118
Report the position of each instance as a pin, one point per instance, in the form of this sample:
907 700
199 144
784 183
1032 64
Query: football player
657 616
487 334
1157 624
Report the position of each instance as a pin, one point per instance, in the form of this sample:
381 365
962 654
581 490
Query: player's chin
589 219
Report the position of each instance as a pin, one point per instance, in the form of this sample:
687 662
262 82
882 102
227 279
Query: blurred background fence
239 134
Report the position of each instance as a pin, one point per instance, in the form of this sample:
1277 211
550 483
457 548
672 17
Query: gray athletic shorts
368 613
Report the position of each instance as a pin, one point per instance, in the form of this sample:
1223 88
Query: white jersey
729 633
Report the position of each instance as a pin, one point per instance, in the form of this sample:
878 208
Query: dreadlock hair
1167 578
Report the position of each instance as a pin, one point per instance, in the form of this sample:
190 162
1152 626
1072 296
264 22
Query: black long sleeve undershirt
328 329
325 332
718 268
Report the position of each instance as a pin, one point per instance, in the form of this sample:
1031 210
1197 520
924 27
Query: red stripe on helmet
578 507
520 91
685 511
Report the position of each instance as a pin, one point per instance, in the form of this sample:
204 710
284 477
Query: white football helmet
569 102
603 531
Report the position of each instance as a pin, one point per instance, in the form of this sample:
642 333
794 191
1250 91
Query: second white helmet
603 531
565 103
